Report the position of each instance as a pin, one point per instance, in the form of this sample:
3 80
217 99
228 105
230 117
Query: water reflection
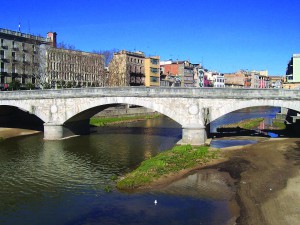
63 182
205 184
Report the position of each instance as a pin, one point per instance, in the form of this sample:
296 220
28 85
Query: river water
71 181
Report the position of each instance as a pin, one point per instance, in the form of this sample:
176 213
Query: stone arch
228 108
26 107
87 110
16 116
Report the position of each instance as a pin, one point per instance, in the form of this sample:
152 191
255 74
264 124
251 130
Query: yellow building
152 71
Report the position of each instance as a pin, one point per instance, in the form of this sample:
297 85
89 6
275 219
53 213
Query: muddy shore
266 180
15 132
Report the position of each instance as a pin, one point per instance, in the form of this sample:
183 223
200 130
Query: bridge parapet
157 92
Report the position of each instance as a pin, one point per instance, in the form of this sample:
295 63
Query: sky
223 35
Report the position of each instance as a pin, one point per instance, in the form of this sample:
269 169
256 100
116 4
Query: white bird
155 202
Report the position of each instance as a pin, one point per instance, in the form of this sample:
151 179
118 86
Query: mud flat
267 181
14 132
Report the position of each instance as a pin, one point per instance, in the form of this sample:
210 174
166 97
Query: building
293 69
219 81
259 79
20 57
127 69
246 79
169 74
180 71
36 61
276 81
152 71
234 80
71 68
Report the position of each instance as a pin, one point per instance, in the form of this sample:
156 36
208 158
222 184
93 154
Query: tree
108 55
65 46
15 85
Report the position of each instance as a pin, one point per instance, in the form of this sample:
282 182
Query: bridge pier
194 135
59 131
53 131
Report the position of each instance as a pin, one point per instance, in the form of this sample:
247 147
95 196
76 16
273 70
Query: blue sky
225 35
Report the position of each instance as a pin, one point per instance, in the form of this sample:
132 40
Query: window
154 70
2 67
2 54
13 68
154 61
154 79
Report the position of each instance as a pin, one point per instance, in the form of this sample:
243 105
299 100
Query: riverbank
267 180
15 132
268 176
107 121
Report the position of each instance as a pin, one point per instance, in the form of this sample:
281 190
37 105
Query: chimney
52 38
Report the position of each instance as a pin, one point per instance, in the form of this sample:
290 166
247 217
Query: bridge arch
230 107
27 107
17 117
92 107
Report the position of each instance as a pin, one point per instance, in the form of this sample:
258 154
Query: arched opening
14 117
15 121
257 120
162 125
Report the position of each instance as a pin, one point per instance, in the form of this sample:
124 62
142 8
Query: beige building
70 68
127 69
152 71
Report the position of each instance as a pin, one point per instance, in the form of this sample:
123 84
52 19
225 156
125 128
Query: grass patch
100 122
174 160
245 124
278 125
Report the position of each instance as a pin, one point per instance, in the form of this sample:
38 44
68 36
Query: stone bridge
67 111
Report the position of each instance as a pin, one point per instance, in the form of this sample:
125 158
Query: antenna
19 25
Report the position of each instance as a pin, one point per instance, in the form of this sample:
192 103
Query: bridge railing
155 92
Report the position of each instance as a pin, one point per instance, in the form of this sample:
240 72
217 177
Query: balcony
4 46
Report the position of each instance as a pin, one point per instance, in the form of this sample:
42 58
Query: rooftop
23 35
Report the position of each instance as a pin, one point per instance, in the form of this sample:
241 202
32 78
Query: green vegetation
100 122
245 124
167 162
107 189
278 125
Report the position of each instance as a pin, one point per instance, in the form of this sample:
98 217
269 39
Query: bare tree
63 45
108 55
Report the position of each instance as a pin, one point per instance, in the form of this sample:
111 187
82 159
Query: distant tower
52 37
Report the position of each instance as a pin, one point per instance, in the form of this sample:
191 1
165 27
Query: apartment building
152 71
71 68
248 79
20 55
293 69
36 60
182 72
127 69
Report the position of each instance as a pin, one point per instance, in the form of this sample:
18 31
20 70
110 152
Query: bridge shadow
237 131
12 117
152 131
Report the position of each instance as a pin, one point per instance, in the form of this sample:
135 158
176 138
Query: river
71 181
